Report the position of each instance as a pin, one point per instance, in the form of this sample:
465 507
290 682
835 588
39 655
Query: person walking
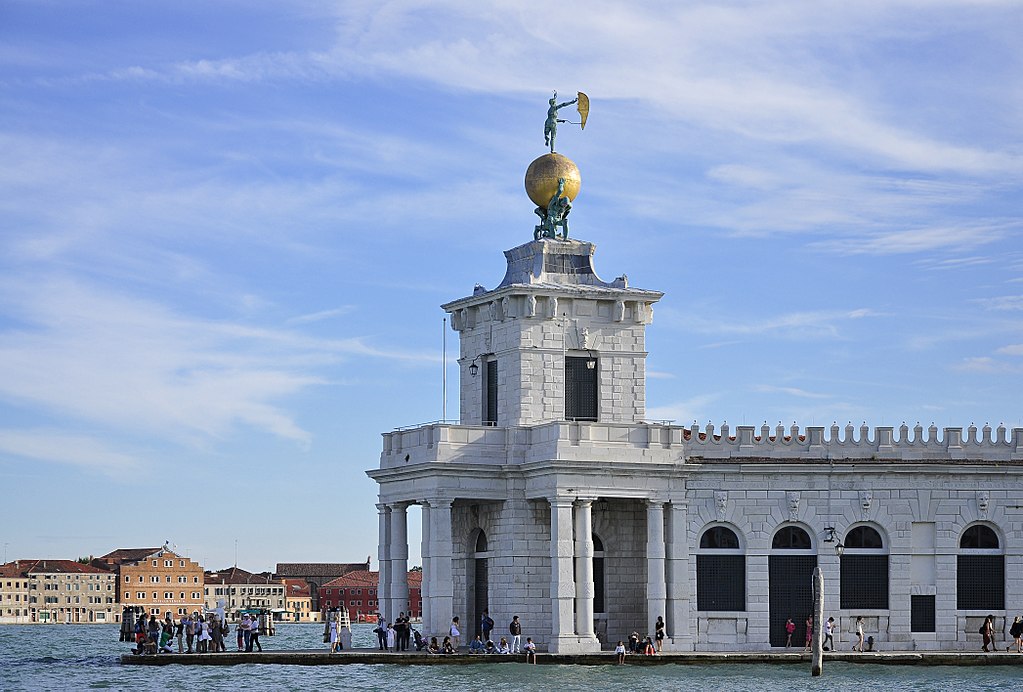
254 634
987 630
1016 632
515 629
829 628
659 632
790 629
858 646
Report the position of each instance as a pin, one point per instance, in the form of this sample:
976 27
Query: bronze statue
550 126
554 216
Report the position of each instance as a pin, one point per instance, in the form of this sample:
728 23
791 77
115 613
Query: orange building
158 580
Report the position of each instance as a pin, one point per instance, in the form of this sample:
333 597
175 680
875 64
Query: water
61 657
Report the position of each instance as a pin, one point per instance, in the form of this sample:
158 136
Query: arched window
789 570
720 571
791 538
864 570
481 542
599 605
980 570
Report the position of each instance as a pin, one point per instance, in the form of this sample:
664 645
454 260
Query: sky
226 229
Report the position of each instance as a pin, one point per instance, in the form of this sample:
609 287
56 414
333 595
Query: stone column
441 588
677 619
424 549
583 569
383 559
656 592
562 582
399 560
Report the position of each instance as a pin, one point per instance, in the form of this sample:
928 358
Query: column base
573 644
678 644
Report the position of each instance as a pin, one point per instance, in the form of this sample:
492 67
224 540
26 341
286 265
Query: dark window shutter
581 388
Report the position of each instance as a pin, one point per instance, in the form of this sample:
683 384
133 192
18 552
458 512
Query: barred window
720 571
864 570
980 570
791 538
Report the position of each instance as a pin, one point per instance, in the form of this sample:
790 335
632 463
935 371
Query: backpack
983 628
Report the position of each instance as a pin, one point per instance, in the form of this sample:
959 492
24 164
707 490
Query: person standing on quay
858 646
659 633
987 630
515 629
486 624
809 632
455 633
790 628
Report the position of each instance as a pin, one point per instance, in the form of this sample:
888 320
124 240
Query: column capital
586 500
561 500
400 506
655 503
383 507
439 502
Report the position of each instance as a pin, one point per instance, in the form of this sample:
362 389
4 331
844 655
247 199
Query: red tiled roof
121 555
297 588
26 567
236 575
367 578
319 569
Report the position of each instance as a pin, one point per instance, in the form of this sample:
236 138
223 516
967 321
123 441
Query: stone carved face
866 499
793 501
983 500
721 500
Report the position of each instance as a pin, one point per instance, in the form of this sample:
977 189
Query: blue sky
226 229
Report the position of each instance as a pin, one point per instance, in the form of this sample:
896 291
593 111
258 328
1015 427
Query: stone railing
445 442
561 440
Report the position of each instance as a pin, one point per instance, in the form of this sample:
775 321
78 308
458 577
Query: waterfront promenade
374 656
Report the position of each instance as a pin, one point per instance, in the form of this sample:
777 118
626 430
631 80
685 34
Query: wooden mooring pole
817 644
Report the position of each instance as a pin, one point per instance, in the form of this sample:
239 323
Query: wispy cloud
55 446
821 323
791 391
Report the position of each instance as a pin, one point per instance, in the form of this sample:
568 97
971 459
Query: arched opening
864 570
599 605
980 570
479 598
790 573
720 571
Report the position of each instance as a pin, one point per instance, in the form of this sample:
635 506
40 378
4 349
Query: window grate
921 617
980 582
864 582
721 582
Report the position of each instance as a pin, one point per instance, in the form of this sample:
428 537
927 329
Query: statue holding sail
550 126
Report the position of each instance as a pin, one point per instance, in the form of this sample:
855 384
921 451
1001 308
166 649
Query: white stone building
555 500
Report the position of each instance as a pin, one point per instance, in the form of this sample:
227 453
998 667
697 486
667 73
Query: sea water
66 657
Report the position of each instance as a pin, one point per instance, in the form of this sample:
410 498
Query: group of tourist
200 633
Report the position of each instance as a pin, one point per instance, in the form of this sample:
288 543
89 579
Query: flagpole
444 370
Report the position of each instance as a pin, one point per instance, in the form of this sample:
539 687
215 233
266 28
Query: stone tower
552 341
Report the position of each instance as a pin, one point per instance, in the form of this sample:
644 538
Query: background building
358 592
317 574
51 591
158 580
298 602
244 591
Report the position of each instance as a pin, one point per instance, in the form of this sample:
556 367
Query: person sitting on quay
620 652
476 645
491 648
434 647
648 646
448 647
530 649
503 647
634 646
